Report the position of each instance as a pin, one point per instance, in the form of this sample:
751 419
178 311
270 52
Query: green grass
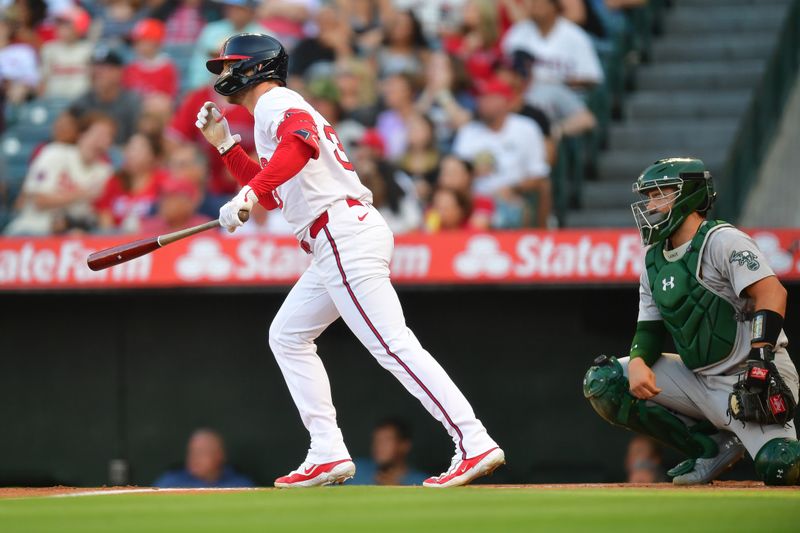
414 510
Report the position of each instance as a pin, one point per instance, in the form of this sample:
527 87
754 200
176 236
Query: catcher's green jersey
698 292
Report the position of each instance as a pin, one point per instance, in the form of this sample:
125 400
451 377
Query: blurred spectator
450 210
565 113
421 159
433 14
357 94
508 154
63 181
181 129
66 129
404 46
19 74
185 162
67 58
115 20
318 53
393 192
184 20
177 208
239 17
562 51
29 17
388 464
398 98
366 19
583 13
205 466
152 71
477 43
108 95
323 94
286 19
445 98
132 193
643 463
457 174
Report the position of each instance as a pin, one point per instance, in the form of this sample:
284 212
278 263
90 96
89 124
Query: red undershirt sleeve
240 165
289 158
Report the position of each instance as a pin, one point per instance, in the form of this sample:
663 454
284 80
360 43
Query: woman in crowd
133 192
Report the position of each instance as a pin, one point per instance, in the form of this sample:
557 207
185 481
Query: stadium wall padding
86 378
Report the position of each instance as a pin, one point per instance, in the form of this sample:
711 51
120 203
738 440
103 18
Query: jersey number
330 133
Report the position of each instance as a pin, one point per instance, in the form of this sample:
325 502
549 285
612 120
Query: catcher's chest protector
701 322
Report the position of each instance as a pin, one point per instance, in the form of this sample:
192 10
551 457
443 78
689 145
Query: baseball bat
131 250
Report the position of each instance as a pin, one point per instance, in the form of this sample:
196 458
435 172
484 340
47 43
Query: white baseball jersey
564 54
323 181
730 262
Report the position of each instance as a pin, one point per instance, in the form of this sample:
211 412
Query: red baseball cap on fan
76 16
374 140
148 29
180 187
494 85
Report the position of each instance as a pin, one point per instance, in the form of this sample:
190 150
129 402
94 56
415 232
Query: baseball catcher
731 387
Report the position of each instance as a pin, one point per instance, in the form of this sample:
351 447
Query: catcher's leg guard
778 462
606 388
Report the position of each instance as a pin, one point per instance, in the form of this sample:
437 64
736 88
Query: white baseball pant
705 397
349 277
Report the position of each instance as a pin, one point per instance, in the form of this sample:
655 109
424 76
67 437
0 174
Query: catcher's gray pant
705 397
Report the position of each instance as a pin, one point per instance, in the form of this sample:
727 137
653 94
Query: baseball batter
731 387
305 172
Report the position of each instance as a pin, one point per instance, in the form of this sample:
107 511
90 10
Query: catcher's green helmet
689 189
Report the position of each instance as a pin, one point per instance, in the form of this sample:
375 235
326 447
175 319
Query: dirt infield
31 492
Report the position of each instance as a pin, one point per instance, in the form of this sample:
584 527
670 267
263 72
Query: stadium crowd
451 110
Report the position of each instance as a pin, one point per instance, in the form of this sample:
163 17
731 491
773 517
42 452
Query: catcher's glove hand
762 396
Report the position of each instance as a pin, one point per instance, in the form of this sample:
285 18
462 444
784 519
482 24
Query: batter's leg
304 315
356 267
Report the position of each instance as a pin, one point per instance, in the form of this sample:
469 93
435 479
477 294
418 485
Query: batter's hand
214 127
229 213
642 380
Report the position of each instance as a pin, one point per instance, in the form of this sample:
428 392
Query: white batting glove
229 213
215 129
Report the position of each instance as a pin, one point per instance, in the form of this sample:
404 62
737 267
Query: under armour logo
779 475
668 283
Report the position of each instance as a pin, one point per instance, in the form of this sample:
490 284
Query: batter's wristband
767 325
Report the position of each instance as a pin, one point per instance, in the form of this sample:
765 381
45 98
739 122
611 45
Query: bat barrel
122 253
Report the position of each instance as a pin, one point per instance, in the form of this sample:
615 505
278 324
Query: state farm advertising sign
515 257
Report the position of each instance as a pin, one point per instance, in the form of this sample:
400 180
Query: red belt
321 222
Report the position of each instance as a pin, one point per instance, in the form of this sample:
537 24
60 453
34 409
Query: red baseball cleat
462 471
311 475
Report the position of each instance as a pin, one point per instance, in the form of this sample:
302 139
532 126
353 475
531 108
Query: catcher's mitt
762 396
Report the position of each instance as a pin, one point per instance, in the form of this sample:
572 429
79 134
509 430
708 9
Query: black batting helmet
261 54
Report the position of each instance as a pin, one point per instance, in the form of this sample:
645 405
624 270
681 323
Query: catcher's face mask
653 212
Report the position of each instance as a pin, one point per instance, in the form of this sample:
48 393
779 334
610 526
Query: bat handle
244 215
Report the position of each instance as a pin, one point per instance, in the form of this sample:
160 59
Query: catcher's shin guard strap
778 462
767 325
606 388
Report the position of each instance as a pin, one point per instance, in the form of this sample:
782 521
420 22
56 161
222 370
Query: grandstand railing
757 129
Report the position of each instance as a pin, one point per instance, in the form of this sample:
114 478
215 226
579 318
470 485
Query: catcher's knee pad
607 389
778 462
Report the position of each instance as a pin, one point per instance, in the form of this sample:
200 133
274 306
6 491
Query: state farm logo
557 256
241 260
205 259
482 256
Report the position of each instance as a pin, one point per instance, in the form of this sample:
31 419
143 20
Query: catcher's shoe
311 475
707 470
462 471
